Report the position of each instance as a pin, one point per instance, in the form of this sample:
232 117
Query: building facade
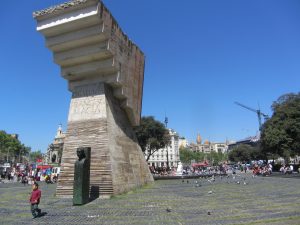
54 151
183 143
168 155
252 141
208 147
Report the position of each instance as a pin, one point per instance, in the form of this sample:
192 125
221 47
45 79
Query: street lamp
166 123
20 153
7 154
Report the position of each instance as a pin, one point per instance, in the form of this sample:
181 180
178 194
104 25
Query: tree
10 147
152 135
186 155
257 154
281 133
36 155
241 153
199 156
216 157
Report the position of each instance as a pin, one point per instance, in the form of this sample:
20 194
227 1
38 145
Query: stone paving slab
262 200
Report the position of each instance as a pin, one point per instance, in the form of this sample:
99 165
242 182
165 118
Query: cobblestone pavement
262 200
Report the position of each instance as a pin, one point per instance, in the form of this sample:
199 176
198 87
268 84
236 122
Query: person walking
35 200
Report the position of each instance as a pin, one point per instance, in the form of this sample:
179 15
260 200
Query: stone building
168 154
54 151
207 146
183 142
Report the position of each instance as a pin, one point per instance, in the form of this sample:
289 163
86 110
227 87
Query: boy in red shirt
35 200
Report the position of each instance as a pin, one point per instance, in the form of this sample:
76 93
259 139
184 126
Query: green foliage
152 135
257 154
11 147
246 153
241 153
35 155
281 133
216 158
186 155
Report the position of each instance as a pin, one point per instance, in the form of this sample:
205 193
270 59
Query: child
35 200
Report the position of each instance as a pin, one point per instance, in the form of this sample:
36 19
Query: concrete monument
105 72
179 169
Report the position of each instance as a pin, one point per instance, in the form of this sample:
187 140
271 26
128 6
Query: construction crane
257 111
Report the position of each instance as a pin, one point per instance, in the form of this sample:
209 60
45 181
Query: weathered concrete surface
117 163
88 44
105 72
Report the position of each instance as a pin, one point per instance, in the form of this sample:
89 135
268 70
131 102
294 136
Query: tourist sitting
256 170
24 180
288 170
291 168
265 171
282 169
47 179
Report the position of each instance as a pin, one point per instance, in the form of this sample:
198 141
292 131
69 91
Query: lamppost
49 153
20 153
7 154
166 123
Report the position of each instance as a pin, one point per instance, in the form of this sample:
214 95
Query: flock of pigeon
238 179
229 178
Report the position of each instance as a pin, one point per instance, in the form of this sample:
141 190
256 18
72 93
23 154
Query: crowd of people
286 169
28 175
190 170
256 169
264 170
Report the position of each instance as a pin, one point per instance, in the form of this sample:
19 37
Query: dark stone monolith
82 176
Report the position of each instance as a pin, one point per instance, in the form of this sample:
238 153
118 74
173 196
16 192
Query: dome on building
199 139
206 142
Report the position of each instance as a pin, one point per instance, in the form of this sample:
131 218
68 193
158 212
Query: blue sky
201 56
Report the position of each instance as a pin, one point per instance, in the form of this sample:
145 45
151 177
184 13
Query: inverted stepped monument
105 73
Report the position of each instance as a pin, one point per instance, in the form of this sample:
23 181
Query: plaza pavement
263 200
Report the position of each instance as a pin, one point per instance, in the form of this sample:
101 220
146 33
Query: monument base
117 163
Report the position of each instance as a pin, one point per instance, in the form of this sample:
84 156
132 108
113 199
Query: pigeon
208 213
211 180
168 210
93 216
